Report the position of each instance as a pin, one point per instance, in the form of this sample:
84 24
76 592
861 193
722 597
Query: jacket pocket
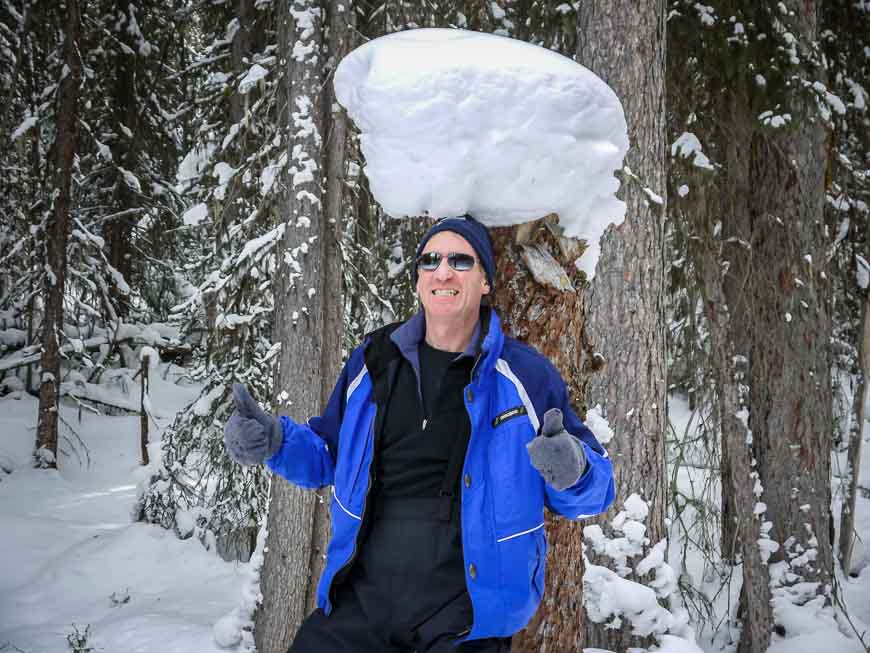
517 487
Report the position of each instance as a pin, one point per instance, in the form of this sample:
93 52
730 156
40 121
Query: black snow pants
406 592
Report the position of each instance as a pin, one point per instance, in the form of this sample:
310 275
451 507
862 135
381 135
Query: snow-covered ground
809 628
70 552
73 556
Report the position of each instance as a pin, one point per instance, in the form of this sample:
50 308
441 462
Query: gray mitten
251 435
557 454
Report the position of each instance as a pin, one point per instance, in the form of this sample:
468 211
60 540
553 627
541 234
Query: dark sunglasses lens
429 261
461 262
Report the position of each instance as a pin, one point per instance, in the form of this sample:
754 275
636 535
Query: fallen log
168 349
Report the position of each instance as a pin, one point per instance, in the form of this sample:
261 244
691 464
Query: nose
443 271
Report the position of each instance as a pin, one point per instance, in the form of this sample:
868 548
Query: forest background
156 157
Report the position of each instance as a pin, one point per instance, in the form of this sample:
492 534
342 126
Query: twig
845 613
78 439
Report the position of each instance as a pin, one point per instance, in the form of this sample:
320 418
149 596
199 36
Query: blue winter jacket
503 496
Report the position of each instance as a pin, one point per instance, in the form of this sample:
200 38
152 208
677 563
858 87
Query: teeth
445 292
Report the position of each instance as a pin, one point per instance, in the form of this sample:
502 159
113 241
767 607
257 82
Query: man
443 441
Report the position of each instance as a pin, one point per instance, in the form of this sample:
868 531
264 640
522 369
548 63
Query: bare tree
308 308
759 249
553 320
788 291
856 439
125 146
730 374
56 233
624 44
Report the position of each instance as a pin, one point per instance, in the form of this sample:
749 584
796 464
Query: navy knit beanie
474 232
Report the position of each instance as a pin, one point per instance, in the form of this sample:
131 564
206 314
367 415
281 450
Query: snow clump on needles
456 122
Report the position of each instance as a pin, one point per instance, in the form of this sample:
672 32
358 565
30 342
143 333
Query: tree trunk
57 234
732 208
770 336
553 321
339 43
143 416
730 374
723 261
790 387
247 39
856 438
28 379
296 522
623 43
851 141
118 232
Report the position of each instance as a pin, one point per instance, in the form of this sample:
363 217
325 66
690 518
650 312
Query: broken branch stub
545 269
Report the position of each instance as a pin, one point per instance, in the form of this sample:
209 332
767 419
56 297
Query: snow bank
72 555
457 122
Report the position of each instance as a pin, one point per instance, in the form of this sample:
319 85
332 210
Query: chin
443 310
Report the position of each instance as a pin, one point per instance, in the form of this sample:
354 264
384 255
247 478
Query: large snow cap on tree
457 122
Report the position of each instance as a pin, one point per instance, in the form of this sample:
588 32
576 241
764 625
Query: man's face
446 293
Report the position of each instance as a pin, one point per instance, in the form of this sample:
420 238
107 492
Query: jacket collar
492 341
410 334
403 340
487 339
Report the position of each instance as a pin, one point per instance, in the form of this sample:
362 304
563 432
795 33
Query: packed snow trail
72 554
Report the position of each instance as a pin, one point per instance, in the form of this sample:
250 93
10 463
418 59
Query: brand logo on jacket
516 411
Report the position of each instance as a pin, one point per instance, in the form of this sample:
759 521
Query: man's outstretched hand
557 454
251 435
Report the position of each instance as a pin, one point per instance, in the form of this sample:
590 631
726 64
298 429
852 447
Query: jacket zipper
370 439
465 632
474 367
371 476
356 541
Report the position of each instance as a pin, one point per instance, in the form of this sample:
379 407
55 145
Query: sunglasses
456 260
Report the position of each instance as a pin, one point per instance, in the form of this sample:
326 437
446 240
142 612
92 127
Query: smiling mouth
445 293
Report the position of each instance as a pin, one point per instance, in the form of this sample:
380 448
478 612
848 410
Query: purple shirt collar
409 335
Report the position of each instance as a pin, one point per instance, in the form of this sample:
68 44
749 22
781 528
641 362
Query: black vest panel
415 443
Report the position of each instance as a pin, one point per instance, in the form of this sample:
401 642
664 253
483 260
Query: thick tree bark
307 320
339 43
623 43
767 303
790 388
730 374
57 234
553 321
